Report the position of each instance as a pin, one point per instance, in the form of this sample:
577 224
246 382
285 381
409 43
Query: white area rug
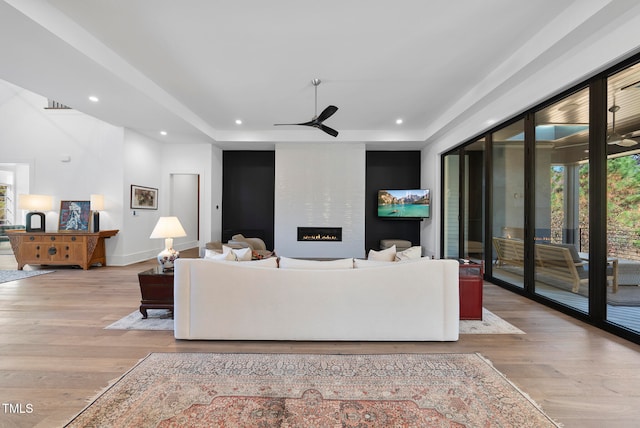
490 324
14 275
159 319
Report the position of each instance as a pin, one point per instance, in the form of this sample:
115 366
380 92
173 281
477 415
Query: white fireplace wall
320 185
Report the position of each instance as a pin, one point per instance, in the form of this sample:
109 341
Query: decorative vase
167 256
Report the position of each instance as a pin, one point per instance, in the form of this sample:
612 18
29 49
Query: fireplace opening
320 234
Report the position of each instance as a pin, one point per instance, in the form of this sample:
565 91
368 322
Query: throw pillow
288 263
410 253
239 254
212 255
387 255
242 254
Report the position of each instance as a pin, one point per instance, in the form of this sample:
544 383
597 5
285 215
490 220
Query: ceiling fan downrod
315 83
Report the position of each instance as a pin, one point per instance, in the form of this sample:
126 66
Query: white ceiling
192 67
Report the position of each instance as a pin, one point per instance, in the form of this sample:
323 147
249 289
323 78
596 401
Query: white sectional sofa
414 300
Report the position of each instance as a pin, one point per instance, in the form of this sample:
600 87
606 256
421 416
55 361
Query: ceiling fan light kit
317 120
614 137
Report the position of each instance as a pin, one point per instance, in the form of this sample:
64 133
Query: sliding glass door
623 198
561 201
508 194
554 197
464 205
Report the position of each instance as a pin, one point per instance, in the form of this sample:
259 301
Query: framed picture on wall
74 216
144 198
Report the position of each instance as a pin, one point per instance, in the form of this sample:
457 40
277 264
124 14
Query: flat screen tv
404 204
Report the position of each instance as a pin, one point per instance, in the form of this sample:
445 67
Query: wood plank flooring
55 354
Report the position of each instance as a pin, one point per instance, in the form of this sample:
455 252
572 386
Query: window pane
474 201
561 201
623 198
451 206
508 204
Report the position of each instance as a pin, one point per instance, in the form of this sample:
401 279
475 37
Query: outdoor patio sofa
556 264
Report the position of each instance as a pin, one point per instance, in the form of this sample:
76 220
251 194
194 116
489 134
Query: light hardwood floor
55 354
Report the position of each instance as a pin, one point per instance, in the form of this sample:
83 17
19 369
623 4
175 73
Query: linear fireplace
320 234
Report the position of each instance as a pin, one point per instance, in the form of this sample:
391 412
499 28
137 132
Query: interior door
185 204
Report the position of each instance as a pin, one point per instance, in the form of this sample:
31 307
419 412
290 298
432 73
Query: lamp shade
35 202
97 202
168 227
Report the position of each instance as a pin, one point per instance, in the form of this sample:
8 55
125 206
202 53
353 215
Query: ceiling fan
617 139
317 121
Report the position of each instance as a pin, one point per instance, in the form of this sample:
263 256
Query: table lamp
97 204
35 204
168 228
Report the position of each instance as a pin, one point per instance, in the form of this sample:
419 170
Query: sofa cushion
410 253
289 263
387 255
360 263
271 262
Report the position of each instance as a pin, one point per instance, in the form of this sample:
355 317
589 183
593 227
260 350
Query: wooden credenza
83 249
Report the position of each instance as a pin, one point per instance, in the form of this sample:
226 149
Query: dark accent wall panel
390 170
248 193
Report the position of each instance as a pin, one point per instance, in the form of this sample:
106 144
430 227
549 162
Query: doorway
185 204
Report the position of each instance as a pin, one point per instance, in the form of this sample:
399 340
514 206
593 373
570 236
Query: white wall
320 185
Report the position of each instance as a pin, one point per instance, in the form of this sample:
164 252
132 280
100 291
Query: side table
156 288
470 283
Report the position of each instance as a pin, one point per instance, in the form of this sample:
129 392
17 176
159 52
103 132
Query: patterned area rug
286 390
160 319
14 275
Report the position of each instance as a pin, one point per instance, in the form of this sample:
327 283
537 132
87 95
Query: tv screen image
404 203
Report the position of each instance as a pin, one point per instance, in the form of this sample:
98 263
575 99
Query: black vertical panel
248 193
598 199
390 170
529 200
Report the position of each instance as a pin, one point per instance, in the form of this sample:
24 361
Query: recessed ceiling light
94 99
491 121
399 121
163 132
238 122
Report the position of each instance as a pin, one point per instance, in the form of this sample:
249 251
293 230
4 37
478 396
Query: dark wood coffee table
156 288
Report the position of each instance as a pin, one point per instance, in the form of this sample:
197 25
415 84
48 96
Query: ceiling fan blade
328 130
327 113
286 124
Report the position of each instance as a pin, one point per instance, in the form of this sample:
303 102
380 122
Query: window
6 204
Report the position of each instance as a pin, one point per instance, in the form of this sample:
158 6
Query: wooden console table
83 249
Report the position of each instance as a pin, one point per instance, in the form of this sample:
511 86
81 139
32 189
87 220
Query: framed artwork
144 198
74 216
